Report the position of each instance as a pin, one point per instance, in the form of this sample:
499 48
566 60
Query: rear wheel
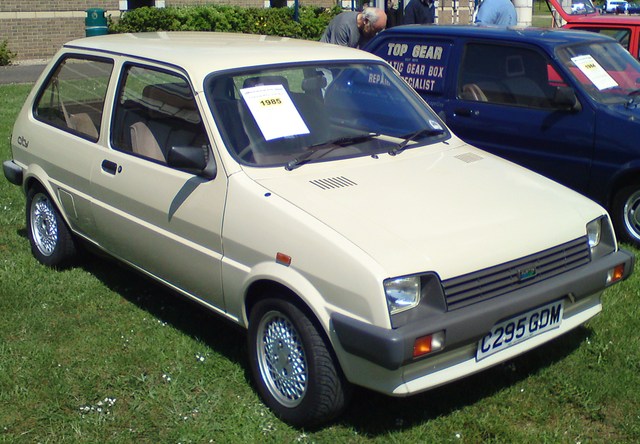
51 241
294 370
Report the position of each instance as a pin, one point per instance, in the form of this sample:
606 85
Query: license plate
520 328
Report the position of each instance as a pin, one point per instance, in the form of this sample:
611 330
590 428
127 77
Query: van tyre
626 214
51 240
294 370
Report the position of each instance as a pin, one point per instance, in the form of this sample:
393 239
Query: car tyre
51 240
293 368
626 214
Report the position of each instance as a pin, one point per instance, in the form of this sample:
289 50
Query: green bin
96 22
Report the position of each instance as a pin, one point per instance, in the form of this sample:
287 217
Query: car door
69 108
160 219
509 107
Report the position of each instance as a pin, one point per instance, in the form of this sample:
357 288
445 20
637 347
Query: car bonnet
454 209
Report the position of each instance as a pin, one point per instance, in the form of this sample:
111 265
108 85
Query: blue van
563 103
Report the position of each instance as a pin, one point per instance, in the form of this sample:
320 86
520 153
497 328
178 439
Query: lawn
98 353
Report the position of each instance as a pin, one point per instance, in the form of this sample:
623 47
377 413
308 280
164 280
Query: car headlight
403 293
594 232
600 236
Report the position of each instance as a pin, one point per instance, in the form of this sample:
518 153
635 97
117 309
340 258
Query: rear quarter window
423 63
73 96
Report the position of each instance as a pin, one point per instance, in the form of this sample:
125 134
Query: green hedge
6 55
268 21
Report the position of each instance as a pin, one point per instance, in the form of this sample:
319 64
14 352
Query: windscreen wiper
424 132
333 144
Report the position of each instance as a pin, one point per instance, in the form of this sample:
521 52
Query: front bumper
393 348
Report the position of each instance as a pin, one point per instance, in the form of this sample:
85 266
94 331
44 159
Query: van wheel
293 368
51 241
626 214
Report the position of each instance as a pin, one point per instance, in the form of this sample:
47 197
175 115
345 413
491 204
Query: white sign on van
594 72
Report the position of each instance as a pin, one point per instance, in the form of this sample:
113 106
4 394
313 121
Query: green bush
6 55
223 18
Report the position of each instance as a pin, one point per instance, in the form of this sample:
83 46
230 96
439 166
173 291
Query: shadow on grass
370 414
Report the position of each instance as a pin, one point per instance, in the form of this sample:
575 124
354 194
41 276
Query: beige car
307 193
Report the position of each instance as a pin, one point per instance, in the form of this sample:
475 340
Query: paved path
27 73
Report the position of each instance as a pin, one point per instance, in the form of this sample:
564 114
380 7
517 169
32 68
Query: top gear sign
422 66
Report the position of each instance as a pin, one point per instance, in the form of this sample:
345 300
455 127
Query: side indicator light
283 259
428 344
615 274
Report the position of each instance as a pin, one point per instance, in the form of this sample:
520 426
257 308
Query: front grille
491 282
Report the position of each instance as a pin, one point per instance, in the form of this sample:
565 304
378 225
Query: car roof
544 37
201 53
606 19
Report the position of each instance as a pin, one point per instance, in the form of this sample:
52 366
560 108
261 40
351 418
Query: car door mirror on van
193 159
565 99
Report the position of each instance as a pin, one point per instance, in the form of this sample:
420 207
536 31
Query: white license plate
520 328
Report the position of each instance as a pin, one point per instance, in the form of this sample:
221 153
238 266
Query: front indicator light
428 344
615 274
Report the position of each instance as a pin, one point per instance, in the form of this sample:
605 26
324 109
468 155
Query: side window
156 116
622 35
73 98
516 76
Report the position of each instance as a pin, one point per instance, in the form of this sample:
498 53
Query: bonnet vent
469 157
333 182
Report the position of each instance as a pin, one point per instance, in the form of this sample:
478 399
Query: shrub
6 55
224 18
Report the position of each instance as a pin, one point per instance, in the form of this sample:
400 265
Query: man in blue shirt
497 12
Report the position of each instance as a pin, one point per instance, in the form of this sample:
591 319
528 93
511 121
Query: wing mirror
565 99
193 159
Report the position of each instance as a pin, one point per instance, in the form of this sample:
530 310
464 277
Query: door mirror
193 159
565 99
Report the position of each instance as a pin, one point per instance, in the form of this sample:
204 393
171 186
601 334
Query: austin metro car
271 181
563 103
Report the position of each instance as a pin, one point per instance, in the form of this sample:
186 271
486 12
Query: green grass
98 353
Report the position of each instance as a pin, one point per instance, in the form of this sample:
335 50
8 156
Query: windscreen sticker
274 111
421 66
594 72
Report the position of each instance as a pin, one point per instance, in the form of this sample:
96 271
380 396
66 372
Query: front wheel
626 214
51 241
293 368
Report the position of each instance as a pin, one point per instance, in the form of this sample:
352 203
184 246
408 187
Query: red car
583 15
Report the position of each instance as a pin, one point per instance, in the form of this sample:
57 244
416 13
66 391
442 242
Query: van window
422 64
73 98
516 76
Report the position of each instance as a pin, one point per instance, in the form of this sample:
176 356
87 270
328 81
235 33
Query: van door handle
466 112
109 167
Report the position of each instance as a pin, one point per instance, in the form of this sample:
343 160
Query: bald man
353 28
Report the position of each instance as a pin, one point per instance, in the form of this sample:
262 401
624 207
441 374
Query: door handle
466 112
109 167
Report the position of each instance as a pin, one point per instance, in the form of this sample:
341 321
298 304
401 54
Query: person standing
353 28
419 12
496 12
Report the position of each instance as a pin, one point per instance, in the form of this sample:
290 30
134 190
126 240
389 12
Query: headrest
171 99
266 80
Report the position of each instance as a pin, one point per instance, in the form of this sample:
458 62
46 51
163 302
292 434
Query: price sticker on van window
274 111
594 72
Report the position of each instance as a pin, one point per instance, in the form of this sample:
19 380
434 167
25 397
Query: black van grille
485 284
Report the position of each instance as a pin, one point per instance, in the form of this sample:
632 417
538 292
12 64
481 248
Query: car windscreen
301 113
606 71
577 7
